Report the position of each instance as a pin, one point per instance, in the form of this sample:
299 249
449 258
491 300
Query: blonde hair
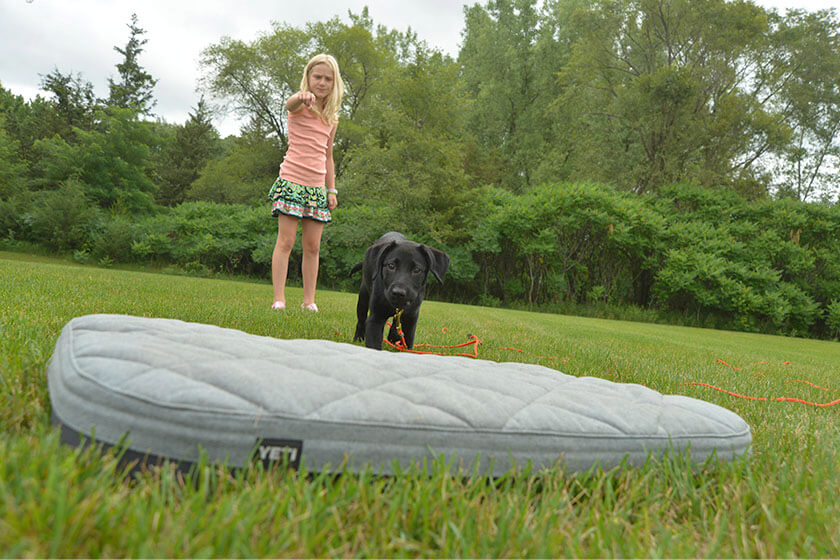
333 102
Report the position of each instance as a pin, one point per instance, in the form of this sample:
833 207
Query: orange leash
788 399
776 399
474 342
401 345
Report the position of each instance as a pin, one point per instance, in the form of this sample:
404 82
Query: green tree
806 168
509 60
659 91
134 89
412 154
73 99
27 121
112 161
195 143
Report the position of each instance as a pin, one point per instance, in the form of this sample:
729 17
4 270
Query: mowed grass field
780 501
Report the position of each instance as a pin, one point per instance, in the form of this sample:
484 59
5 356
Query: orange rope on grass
808 383
778 399
725 391
401 345
775 399
728 365
473 341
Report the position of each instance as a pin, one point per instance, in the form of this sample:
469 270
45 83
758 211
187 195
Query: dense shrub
220 237
113 240
60 219
14 215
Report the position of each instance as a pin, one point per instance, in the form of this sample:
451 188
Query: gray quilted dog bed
172 388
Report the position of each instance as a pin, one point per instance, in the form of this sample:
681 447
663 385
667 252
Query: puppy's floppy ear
376 254
438 261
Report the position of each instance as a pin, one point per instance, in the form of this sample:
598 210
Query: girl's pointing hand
306 97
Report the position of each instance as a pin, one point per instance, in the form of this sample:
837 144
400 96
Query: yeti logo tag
281 451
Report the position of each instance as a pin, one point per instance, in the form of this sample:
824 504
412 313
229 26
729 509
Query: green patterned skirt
299 201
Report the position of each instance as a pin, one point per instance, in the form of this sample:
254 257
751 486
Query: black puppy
393 278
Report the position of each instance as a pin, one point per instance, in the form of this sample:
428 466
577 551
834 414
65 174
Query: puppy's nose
398 296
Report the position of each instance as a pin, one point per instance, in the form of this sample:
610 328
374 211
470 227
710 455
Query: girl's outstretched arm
299 100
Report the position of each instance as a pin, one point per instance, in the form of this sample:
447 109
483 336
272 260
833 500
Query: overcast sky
78 36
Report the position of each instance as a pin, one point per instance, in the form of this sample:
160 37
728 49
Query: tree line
674 156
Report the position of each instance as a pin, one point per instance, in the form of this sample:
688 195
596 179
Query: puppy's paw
360 334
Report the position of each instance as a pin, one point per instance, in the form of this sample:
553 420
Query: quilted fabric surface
175 387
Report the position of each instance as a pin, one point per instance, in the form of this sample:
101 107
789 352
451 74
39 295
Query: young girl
305 190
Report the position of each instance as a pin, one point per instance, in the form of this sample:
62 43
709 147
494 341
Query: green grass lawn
780 501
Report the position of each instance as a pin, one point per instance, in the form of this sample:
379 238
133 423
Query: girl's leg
311 250
286 234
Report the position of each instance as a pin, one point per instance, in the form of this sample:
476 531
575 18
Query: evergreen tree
194 145
74 102
134 90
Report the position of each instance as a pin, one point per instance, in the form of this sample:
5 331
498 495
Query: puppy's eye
417 270
391 266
